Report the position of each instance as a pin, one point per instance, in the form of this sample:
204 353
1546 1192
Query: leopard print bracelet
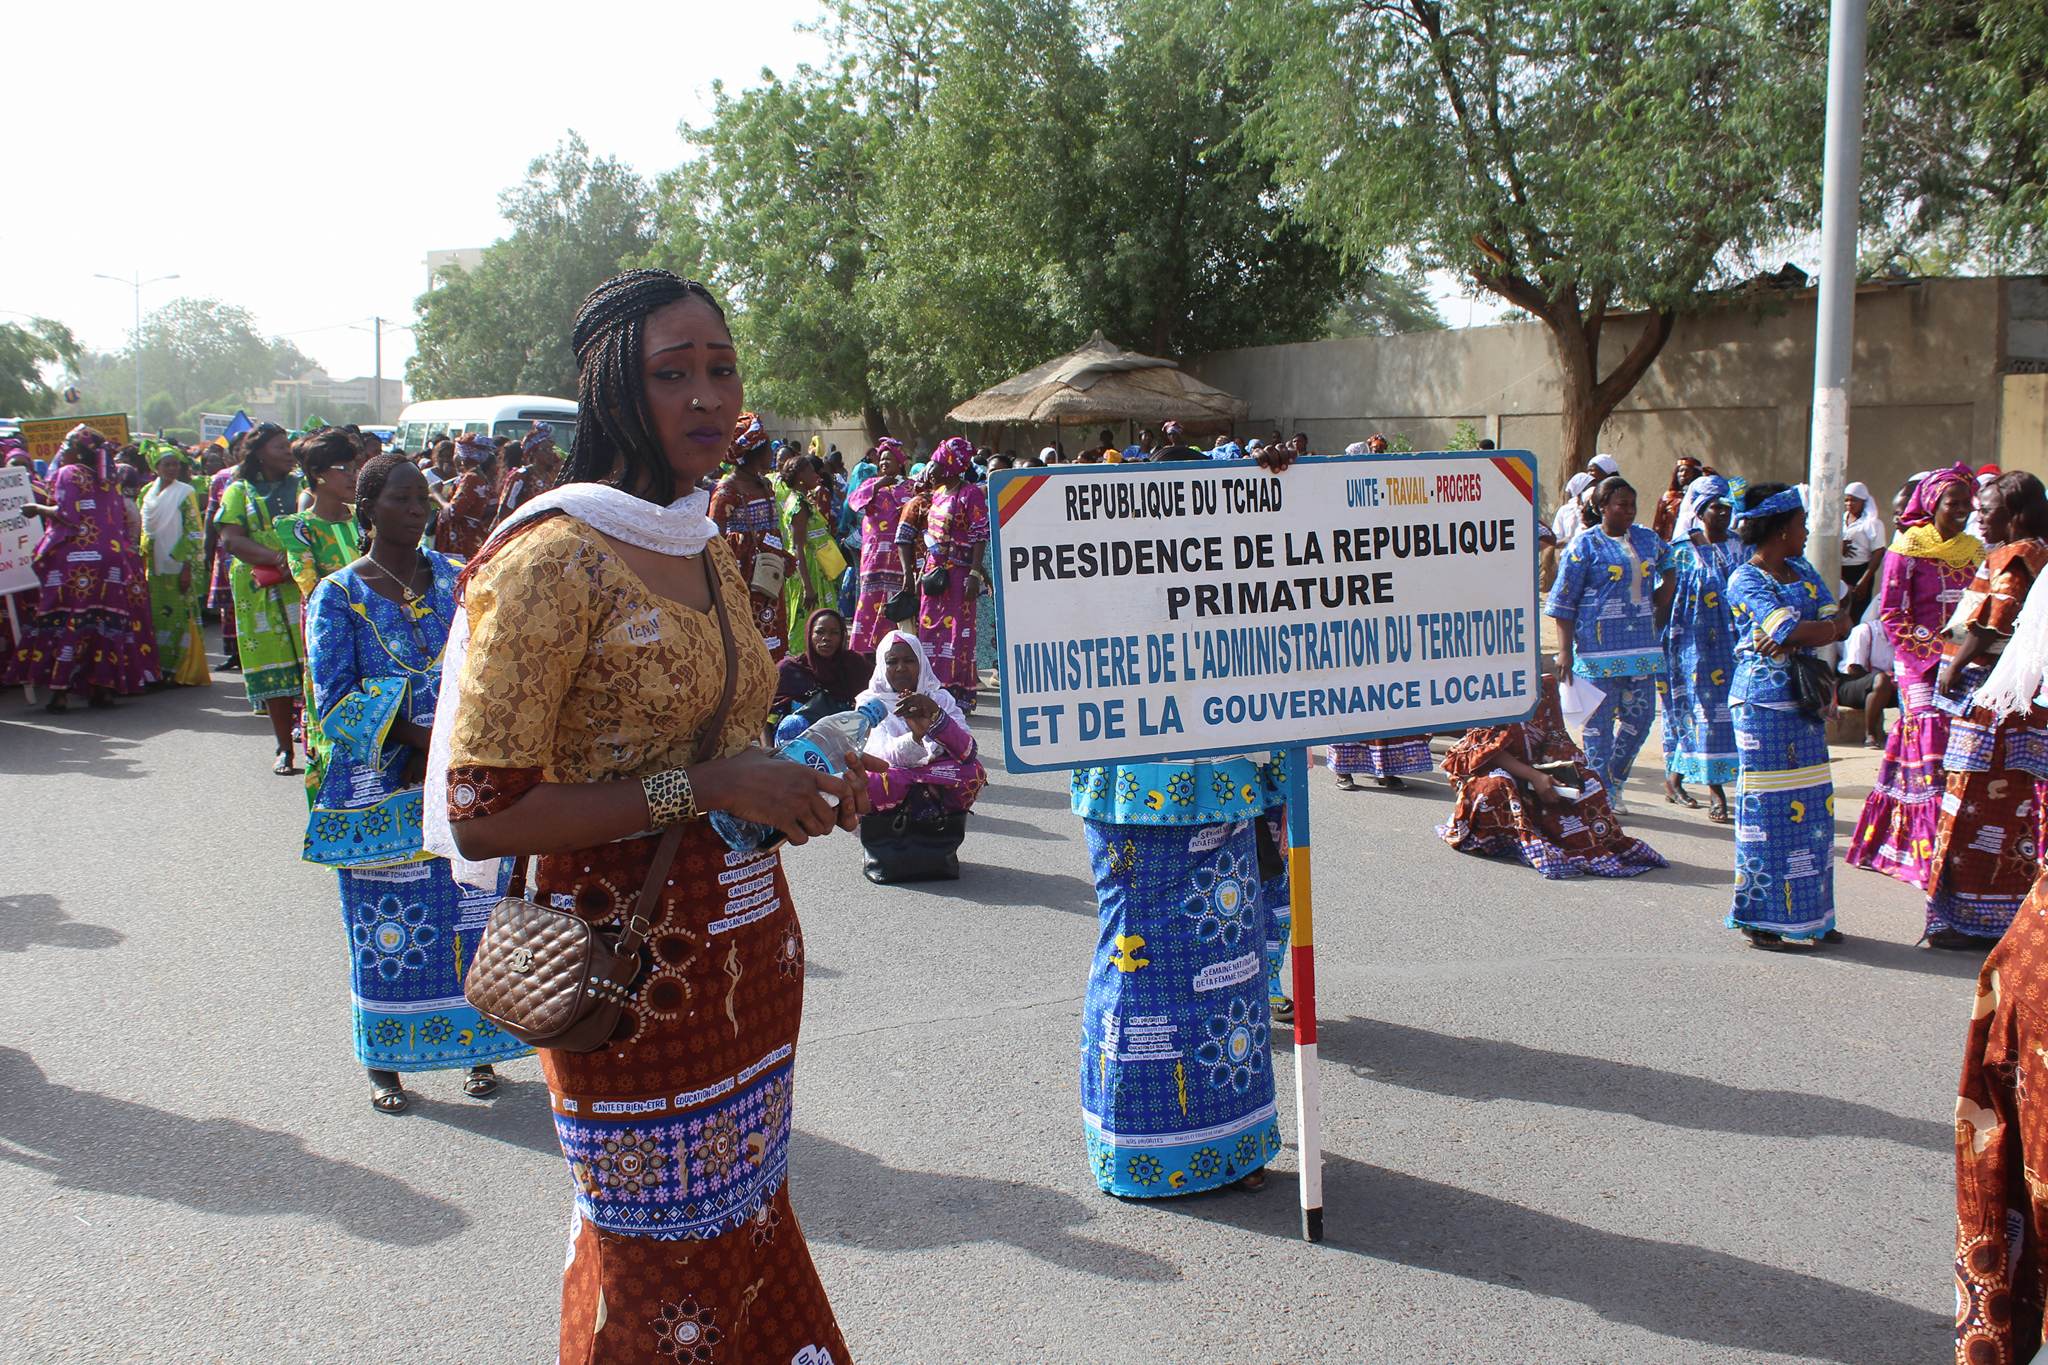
670 801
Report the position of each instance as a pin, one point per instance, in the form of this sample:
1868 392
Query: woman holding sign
1608 603
1176 1035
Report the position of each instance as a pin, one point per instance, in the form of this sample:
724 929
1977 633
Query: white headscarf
892 724
681 529
1605 463
163 521
1869 522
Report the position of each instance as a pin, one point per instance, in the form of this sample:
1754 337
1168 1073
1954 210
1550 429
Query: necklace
404 585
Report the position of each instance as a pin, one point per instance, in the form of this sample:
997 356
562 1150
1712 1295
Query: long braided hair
615 438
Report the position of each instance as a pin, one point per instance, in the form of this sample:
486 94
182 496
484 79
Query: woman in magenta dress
91 630
954 533
1929 564
879 501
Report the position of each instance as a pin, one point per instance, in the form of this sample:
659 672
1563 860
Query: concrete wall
1733 386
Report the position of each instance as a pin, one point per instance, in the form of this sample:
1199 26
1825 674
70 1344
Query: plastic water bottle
825 746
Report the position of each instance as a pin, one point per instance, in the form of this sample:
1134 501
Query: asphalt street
1565 1121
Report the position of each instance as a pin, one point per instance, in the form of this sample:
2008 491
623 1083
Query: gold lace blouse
578 672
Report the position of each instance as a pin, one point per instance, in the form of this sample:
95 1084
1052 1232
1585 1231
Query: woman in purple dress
954 533
1929 564
879 501
91 630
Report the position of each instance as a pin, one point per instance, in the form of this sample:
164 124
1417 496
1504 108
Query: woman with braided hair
600 699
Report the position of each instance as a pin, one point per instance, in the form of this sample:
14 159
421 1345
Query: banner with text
1184 609
213 426
18 534
43 435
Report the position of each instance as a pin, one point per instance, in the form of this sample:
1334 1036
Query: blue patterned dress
1699 649
1785 813
1604 595
1176 1039
410 926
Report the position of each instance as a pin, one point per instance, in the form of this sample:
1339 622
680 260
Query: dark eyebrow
687 345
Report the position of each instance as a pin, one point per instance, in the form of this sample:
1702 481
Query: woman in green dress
268 607
174 552
801 513
318 542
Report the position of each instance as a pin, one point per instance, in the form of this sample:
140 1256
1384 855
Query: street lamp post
137 283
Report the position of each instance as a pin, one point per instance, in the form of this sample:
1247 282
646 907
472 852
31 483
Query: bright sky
301 160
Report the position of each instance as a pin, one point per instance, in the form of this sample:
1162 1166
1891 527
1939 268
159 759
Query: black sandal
1718 814
480 1083
1391 784
1953 939
387 1096
1281 1009
1834 936
1768 942
1675 794
1345 784
1252 1183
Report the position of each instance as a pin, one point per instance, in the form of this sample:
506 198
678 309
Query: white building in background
317 394
463 258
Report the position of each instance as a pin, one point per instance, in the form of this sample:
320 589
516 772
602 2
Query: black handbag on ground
1813 683
901 847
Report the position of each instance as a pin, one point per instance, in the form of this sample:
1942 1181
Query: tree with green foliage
195 351
1576 158
773 216
505 327
28 354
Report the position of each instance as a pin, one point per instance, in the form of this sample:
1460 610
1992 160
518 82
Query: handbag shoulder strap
642 918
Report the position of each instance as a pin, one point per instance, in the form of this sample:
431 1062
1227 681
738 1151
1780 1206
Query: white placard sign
18 535
1149 611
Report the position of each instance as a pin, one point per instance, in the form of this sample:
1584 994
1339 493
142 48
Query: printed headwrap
89 440
541 433
472 448
889 445
953 458
1777 503
1700 494
11 446
1172 431
747 433
1375 444
1927 494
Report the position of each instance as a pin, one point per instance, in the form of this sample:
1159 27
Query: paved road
1565 1123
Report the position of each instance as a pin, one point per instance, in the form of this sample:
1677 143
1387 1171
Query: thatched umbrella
1099 383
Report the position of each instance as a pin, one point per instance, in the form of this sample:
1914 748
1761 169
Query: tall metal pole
377 392
1834 336
137 334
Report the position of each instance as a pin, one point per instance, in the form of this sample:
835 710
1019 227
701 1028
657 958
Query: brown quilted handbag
555 980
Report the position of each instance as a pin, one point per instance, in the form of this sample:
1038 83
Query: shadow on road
981 822
1670 1288
1908 957
86 1141
1491 1069
518 1114
850 1198
40 750
37 920
1033 797
983 884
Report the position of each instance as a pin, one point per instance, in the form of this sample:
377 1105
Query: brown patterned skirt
677 1134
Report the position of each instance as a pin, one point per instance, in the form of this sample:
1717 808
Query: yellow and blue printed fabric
1699 649
1605 592
1176 1041
1187 791
1785 812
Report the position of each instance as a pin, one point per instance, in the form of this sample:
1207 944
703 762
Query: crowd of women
1713 616
492 655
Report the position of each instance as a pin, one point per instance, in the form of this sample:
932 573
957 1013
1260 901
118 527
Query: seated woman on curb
826 677
931 754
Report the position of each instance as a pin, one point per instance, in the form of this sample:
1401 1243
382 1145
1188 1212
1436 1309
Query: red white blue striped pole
1308 1085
